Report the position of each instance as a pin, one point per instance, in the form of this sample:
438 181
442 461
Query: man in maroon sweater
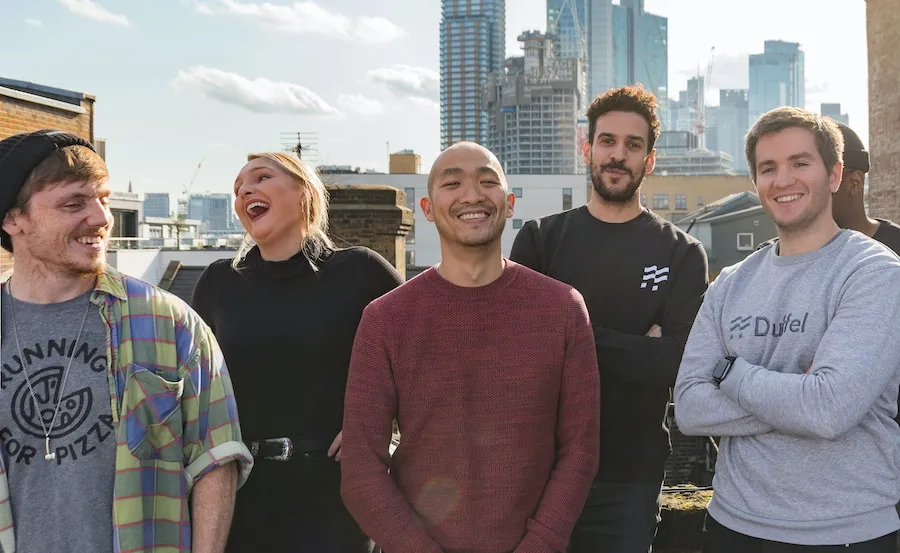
490 369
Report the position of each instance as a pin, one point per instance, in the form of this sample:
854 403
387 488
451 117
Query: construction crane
701 101
187 187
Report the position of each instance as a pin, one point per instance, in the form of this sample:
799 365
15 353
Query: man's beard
613 196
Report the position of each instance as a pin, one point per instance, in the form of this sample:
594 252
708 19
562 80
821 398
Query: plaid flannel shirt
174 413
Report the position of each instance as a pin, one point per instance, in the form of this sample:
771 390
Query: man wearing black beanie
115 403
848 203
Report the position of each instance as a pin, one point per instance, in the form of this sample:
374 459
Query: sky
187 83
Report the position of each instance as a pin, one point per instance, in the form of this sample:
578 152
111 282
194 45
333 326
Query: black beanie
19 155
856 158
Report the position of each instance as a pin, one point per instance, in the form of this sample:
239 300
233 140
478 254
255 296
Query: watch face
721 367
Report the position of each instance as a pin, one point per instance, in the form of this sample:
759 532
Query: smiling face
792 179
270 203
468 201
64 227
618 157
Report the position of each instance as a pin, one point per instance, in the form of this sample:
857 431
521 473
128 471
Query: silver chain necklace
37 409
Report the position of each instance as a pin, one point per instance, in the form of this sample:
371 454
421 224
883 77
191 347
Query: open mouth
94 242
788 199
474 216
257 209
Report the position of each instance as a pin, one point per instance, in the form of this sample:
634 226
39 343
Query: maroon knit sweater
496 391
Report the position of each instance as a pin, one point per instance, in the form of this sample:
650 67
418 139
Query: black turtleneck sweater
632 275
287 332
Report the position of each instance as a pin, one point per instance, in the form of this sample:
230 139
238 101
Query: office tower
640 48
533 110
599 47
472 46
156 204
214 211
834 111
732 124
567 21
776 78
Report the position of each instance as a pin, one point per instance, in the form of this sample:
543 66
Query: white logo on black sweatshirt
657 275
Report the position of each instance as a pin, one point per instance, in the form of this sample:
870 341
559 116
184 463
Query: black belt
309 448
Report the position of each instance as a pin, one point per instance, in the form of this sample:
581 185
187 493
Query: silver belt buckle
287 449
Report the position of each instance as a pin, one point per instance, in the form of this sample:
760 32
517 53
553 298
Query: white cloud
92 10
416 83
258 95
377 30
34 22
306 18
425 102
359 104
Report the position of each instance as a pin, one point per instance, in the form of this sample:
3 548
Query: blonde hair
316 240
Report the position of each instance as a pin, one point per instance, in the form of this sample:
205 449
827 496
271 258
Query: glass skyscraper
473 35
567 20
777 78
640 50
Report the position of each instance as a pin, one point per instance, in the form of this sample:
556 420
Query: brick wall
18 116
687 464
374 216
883 31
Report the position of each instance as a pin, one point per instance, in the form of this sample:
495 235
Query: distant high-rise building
156 204
214 211
567 20
834 111
534 109
777 78
641 49
627 46
473 34
732 124
599 16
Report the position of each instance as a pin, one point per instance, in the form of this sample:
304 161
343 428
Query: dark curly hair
634 99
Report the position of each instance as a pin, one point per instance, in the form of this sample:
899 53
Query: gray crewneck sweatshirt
808 459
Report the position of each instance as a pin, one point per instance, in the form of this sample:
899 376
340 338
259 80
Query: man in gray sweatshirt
793 360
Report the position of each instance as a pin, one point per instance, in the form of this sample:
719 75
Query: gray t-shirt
810 451
64 504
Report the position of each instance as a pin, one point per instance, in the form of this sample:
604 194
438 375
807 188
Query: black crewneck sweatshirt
632 275
287 333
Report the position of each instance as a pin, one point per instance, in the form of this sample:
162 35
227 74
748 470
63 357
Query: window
660 201
517 223
680 201
410 258
517 192
699 201
745 241
567 198
644 200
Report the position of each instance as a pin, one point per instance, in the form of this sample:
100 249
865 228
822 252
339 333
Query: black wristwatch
723 367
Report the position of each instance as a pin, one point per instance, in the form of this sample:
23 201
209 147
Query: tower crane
701 100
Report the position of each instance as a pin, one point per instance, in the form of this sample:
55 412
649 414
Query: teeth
470 216
790 198
257 204
89 240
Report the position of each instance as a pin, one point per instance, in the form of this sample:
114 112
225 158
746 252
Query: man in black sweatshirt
643 280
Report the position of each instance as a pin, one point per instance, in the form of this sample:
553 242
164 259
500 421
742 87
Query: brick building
27 107
883 32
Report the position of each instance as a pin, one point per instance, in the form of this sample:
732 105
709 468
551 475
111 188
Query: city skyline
361 78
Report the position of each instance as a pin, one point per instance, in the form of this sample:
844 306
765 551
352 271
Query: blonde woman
285 312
